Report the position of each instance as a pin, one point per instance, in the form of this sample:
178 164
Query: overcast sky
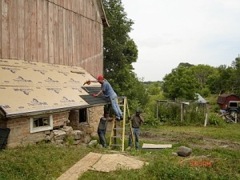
168 32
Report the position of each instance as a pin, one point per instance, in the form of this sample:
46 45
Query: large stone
87 138
77 134
184 151
67 129
59 134
92 143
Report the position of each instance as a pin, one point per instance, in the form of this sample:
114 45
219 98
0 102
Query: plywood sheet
28 87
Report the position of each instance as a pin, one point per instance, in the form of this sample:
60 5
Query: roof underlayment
29 88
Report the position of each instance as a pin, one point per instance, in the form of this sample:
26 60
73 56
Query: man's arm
100 92
88 82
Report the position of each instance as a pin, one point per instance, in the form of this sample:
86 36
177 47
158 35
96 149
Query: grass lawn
215 155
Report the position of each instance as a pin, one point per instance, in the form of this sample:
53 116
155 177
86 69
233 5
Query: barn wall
67 32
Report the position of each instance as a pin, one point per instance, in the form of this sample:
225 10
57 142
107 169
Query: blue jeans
115 106
136 133
102 139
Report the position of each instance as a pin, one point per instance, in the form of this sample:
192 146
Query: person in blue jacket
108 92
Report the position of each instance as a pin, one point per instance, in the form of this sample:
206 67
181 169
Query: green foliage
180 83
120 51
216 120
185 80
42 161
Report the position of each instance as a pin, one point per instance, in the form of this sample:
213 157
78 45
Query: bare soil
192 141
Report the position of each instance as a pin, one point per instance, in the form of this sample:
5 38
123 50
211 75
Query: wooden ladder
117 137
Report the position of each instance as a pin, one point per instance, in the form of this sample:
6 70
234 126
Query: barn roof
102 13
223 98
29 88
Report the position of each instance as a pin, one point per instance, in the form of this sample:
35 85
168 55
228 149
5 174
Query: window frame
41 128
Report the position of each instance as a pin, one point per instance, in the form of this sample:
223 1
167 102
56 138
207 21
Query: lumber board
156 146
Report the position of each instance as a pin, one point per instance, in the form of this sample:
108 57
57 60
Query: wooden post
206 115
181 112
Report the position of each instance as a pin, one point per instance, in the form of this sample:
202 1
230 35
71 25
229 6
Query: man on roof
108 92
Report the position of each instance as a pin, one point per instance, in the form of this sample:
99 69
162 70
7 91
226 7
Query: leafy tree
120 51
180 83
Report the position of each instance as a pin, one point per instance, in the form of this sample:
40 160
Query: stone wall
20 129
66 126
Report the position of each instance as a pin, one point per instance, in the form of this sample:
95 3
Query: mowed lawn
215 155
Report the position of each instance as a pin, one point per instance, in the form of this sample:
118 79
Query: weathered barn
224 99
41 43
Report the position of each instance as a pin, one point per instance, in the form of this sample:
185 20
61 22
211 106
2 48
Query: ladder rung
116 145
116 136
117 128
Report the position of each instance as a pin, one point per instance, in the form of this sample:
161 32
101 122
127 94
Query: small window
41 123
82 115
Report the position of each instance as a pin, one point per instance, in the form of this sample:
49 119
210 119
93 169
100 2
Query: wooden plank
70 4
65 36
88 38
80 39
27 31
40 30
156 146
56 35
61 35
74 31
1 29
65 4
70 40
33 13
13 30
80 167
5 30
45 31
80 7
50 31
20 33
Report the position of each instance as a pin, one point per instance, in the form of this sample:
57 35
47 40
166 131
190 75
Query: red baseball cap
100 78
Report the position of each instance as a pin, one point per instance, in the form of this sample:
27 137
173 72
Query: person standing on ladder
136 121
108 92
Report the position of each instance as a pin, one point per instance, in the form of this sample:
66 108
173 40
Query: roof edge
103 14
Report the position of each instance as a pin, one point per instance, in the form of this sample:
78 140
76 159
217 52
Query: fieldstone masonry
67 129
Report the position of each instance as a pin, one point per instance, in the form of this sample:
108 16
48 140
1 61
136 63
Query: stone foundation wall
66 127
20 130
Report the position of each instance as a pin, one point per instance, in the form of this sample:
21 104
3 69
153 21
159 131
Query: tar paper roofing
29 88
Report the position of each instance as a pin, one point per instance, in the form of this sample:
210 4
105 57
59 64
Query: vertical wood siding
67 32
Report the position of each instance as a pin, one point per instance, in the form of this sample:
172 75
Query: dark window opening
42 121
82 115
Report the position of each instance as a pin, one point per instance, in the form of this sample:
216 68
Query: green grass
215 155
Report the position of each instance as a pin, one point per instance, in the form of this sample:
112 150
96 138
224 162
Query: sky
168 32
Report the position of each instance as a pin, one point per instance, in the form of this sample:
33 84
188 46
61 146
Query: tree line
120 51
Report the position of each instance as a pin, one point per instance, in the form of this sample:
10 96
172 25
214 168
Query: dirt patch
188 138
